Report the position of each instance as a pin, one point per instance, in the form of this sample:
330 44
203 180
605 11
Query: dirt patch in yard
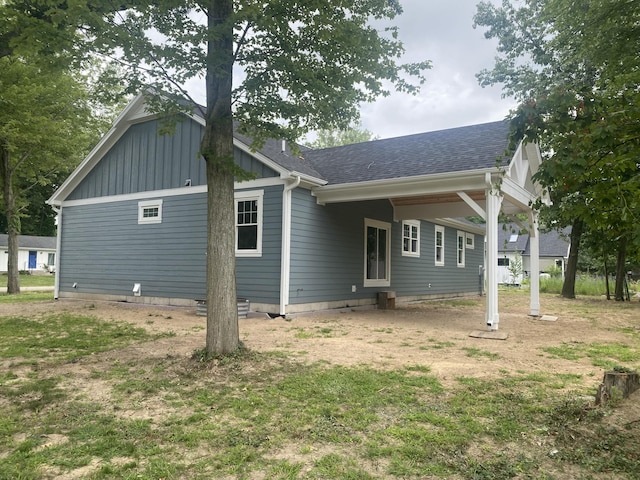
433 334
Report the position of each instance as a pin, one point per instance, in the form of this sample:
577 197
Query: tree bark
606 270
217 149
569 285
620 269
617 383
13 221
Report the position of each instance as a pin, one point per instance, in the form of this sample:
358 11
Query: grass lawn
78 400
31 280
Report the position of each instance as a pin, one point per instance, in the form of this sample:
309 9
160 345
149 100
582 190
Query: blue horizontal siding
106 251
327 255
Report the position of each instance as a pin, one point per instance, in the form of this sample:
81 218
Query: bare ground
413 334
433 334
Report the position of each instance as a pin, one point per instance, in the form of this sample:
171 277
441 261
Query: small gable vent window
470 241
150 211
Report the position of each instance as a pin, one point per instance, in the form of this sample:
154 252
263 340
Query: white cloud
440 31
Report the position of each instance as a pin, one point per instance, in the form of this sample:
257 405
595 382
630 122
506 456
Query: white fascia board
283 172
450 182
308 180
133 112
517 195
171 192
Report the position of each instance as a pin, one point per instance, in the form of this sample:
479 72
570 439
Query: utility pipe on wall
285 256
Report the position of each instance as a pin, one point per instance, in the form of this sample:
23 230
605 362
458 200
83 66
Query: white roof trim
136 112
405 186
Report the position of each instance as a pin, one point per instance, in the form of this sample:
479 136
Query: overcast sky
440 31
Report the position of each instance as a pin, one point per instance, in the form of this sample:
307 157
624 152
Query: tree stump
619 383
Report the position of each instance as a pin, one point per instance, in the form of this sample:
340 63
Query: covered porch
483 192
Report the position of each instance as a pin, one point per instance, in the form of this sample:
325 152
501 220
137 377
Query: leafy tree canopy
299 65
338 137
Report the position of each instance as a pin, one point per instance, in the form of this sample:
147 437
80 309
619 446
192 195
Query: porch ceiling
449 205
452 197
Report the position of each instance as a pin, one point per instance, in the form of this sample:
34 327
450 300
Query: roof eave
405 186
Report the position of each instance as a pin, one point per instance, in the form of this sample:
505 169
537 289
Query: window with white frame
248 211
471 241
460 248
377 253
439 241
150 211
411 238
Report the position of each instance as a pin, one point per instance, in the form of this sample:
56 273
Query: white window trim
142 205
244 196
470 244
385 282
438 228
405 253
461 250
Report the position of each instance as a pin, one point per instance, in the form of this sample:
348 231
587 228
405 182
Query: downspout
56 288
285 255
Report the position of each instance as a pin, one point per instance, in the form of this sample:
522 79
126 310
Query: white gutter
403 186
56 288
285 255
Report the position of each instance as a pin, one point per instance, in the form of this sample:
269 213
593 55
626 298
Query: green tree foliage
338 137
574 67
298 66
46 112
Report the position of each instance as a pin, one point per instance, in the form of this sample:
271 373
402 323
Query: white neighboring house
35 254
513 246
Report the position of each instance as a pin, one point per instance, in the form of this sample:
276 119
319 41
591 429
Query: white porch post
534 275
494 201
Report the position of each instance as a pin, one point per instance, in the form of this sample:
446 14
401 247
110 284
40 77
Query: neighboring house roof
30 242
551 244
474 147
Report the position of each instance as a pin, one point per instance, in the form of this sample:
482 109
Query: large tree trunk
569 285
217 149
620 269
13 221
606 269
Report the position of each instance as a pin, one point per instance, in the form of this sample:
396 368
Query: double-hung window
411 238
377 253
439 241
461 245
248 213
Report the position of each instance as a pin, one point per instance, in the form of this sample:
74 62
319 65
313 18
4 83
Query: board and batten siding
327 255
142 160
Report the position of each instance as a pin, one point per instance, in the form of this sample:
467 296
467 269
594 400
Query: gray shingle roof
454 150
272 149
551 244
30 241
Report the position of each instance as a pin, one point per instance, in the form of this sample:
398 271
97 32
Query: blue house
326 229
